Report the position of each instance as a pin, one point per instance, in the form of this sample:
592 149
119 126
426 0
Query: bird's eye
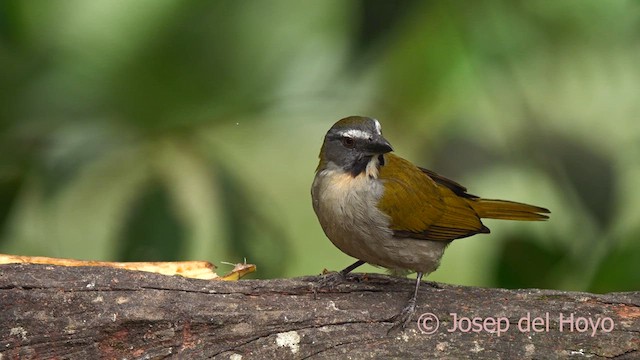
348 142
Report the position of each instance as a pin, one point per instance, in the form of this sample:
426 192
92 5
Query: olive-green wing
421 208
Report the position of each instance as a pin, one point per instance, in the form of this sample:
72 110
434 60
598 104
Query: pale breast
346 208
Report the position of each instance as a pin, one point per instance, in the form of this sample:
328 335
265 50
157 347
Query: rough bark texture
93 312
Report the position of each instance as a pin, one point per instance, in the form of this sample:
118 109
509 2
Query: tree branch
95 312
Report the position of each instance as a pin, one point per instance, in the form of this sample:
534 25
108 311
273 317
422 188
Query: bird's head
352 143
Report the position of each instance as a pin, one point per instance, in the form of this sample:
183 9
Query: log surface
94 312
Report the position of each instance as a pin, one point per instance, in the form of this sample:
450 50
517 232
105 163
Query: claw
328 281
331 279
404 317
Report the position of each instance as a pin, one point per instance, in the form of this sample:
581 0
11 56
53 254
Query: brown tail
507 210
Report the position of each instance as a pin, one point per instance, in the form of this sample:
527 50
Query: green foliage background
171 130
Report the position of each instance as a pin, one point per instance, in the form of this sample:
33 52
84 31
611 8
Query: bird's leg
333 278
350 268
404 317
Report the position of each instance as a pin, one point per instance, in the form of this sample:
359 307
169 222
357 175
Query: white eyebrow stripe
356 133
378 127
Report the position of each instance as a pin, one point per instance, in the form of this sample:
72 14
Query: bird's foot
403 318
328 280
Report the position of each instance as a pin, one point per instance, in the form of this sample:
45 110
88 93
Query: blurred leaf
9 189
420 61
71 149
253 234
378 19
152 232
620 269
525 263
10 23
590 173
470 156
213 59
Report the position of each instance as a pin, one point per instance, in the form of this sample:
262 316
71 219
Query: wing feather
422 207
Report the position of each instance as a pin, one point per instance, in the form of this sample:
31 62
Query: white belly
347 211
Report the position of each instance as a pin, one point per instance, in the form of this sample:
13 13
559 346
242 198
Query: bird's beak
378 145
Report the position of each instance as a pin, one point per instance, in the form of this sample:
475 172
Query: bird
383 210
